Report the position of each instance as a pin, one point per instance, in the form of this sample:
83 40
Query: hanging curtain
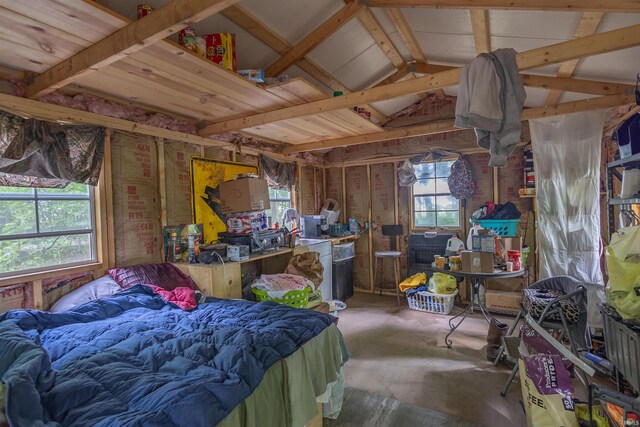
35 153
566 153
280 176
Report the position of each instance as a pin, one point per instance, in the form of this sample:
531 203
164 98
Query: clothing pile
492 210
277 285
439 283
490 100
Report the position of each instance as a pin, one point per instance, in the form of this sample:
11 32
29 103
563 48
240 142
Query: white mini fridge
323 247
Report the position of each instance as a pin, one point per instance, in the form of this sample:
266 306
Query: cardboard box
253 75
477 262
244 195
483 242
513 284
503 301
221 49
511 243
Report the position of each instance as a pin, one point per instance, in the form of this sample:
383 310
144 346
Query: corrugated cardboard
504 301
511 243
244 195
514 284
477 262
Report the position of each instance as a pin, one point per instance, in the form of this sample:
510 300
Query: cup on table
509 266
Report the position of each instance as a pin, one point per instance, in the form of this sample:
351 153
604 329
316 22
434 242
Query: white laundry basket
432 303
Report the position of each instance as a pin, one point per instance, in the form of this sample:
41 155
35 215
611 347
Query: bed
134 359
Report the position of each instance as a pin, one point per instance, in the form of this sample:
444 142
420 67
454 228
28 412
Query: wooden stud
496 187
480 26
444 126
555 5
164 21
587 26
107 177
370 233
380 36
100 212
344 196
396 204
38 294
560 52
398 75
162 168
312 40
592 87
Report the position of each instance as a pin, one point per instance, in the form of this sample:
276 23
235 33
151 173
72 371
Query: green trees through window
280 201
45 228
433 205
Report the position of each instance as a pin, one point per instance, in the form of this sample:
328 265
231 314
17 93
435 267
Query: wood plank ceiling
96 49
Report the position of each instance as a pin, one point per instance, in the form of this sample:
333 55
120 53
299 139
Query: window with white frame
44 228
433 205
280 201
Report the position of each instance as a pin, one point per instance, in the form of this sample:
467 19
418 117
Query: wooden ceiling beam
312 40
163 22
251 24
553 5
31 108
380 36
443 126
406 33
587 26
598 43
480 26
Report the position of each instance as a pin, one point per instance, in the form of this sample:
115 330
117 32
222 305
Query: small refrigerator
343 255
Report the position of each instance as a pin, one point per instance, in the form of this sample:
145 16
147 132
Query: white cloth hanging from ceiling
566 153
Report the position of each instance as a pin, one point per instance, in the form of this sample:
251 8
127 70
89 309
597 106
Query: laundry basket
502 227
432 303
298 299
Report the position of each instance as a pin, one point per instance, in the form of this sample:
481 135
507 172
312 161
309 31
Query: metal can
144 10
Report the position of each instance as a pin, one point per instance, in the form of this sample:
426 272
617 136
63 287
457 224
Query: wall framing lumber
404 29
560 52
380 36
444 126
165 21
480 26
312 40
553 5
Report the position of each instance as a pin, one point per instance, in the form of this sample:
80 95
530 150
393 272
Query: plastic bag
623 265
406 174
441 283
331 211
307 265
546 384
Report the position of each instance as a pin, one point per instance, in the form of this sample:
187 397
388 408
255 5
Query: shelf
627 161
632 201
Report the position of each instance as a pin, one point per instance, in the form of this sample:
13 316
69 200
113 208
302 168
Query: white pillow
102 287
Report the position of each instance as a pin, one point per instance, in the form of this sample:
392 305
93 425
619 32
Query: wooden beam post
316 37
444 126
598 43
480 26
380 36
555 5
163 22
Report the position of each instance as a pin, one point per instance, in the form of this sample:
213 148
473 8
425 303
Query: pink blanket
185 298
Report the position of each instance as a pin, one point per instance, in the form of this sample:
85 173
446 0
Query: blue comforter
133 359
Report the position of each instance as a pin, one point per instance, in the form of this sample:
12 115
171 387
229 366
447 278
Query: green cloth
286 396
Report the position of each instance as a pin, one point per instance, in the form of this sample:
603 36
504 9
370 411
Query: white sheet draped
566 152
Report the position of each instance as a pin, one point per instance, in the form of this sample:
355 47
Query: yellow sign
206 175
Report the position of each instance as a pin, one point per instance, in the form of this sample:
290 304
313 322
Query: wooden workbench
225 280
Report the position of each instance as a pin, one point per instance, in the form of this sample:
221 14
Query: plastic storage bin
623 349
432 303
343 251
502 227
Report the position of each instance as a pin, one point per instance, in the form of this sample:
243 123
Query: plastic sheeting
566 152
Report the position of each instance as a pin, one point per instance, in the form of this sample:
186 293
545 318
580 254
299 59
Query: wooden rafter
634 110
588 25
36 109
444 126
398 75
480 26
251 24
380 36
165 21
598 43
312 40
556 5
406 33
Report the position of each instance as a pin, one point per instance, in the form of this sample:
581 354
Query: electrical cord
225 282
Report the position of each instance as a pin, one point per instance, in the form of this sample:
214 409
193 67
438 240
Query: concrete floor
400 353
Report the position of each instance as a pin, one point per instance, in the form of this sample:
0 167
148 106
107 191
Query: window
45 227
433 205
280 200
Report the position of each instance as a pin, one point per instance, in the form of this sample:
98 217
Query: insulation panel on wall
333 187
383 213
136 205
357 187
307 191
178 181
